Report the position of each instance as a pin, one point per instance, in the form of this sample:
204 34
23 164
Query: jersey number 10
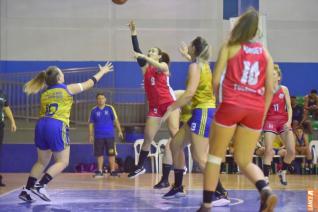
250 73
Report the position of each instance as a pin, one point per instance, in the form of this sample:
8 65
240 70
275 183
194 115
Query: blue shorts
201 121
51 134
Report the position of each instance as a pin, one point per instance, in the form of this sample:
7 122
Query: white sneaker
185 170
41 192
282 177
25 195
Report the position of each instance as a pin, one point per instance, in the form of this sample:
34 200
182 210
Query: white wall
96 29
292 29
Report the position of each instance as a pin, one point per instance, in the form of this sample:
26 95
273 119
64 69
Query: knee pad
214 159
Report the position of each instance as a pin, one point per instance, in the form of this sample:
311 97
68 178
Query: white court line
9 192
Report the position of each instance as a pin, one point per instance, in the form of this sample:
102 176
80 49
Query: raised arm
141 62
83 86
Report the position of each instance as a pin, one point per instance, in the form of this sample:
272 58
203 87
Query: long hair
246 27
164 56
48 77
201 49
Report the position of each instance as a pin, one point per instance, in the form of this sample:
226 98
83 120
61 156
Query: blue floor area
145 200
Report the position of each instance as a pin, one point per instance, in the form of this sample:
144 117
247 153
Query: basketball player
278 122
199 92
246 95
160 95
51 131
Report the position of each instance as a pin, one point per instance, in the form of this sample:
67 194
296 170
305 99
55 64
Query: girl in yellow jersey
199 92
51 131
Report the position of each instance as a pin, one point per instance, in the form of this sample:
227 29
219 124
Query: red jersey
157 87
244 80
278 108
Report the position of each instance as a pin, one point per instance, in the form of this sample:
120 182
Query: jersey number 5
250 73
51 109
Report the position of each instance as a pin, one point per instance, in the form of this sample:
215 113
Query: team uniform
277 114
243 88
104 133
203 104
159 93
52 129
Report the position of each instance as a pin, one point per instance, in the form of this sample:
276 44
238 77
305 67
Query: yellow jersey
204 97
277 143
186 113
56 103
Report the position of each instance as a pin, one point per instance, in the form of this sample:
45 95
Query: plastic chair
314 150
153 154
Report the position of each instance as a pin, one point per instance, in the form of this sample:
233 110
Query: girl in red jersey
160 95
278 122
246 95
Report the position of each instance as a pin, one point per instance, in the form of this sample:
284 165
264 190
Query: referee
5 109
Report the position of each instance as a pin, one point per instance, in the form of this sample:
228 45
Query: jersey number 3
250 73
51 109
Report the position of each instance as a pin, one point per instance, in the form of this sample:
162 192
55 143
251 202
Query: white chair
314 149
153 154
162 143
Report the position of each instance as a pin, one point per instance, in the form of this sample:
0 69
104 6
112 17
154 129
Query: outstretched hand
108 67
132 26
184 51
137 55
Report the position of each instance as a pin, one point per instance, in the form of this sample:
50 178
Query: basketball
119 1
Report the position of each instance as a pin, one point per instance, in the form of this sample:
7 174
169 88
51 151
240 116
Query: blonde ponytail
35 84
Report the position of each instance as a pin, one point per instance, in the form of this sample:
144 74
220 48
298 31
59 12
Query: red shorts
159 110
275 126
229 115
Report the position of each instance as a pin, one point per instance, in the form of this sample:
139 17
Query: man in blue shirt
102 133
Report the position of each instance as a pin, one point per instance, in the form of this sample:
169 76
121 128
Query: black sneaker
175 192
40 191
162 184
136 172
220 199
204 209
25 195
268 201
282 177
98 175
114 174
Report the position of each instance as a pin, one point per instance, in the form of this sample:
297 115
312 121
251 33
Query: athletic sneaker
40 191
268 200
282 177
98 175
25 195
136 172
220 199
175 192
162 184
114 174
204 209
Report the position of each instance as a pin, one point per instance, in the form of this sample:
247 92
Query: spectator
311 105
302 146
298 110
101 133
5 109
